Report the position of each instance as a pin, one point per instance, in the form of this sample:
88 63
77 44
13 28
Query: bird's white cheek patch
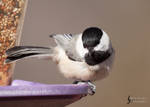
104 43
79 47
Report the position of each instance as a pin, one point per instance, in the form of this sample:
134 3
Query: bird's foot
92 87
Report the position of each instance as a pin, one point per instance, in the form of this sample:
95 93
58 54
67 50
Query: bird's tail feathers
20 52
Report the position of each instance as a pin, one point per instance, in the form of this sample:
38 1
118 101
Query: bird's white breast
80 70
72 69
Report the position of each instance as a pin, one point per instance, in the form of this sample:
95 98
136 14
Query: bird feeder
21 93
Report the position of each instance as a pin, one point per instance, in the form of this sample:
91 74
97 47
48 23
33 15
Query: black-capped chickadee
83 57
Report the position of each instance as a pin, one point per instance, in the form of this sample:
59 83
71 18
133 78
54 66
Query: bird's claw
91 88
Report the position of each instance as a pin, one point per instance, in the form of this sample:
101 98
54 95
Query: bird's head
97 45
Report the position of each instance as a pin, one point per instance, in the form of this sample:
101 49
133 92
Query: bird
85 57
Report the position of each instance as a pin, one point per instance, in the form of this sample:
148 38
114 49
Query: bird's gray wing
67 42
62 40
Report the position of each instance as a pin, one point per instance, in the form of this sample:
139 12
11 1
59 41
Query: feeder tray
31 94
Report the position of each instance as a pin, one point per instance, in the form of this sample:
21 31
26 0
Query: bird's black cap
91 37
